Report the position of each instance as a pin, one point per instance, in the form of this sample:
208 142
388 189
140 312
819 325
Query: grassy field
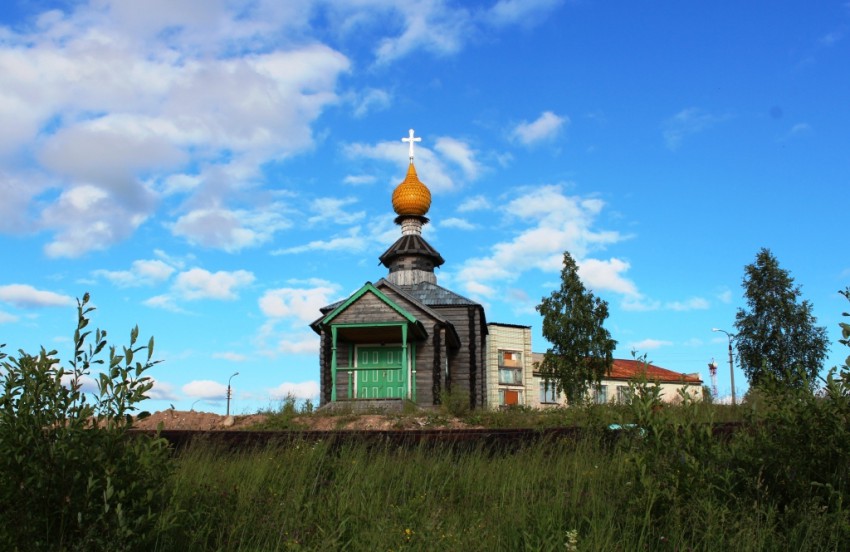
669 485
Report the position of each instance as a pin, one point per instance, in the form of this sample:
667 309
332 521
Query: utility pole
731 366
228 391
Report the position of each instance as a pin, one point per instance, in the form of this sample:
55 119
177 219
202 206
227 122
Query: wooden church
404 336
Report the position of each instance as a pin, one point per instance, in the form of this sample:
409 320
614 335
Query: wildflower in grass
572 540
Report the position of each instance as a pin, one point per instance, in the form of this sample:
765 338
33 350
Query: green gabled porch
373 344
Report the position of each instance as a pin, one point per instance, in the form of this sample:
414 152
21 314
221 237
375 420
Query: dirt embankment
206 421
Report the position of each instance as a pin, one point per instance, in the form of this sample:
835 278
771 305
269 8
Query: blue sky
215 171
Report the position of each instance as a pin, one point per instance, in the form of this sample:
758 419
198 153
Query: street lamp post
731 366
228 391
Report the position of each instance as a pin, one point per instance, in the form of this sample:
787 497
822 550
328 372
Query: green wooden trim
369 324
333 364
413 371
350 371
368 288
405 364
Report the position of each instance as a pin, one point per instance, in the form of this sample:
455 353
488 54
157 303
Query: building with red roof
514 380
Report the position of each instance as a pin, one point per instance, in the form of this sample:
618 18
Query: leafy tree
582 349
777 336
73 479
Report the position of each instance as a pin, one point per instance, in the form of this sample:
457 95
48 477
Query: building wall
467 362
612 394
503 337
438 366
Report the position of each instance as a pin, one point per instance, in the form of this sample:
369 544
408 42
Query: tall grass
780 482
317 496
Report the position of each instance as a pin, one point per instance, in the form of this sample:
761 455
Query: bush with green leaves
681 471
73 479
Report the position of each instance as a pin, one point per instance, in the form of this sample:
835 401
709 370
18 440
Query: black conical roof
412 244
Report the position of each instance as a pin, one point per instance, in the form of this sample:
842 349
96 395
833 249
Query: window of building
600 394
548 392
510 397
623 393
510 367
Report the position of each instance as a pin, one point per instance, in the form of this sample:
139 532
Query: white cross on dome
411 139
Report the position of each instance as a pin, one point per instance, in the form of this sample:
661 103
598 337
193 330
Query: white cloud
288 310
546 127
431 26
350 241
232 357
694 303
522 12
459 153
141 273
639 304
359 179
92 218
431 165
600 275
88 384
370 100
303 390
26 296
111 98
205 389
315 282
230 230
439 27
649 344
198 283
162 391
553 223
303 344
475 203
798 130
164 302
333 209
479 289
687 122
725 296
379 233
180 183
18 192
460 224
298 303
6 318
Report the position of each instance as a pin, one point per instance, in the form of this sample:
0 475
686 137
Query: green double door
379 373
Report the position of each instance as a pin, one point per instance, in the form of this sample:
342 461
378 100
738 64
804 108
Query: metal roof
412 244
434 295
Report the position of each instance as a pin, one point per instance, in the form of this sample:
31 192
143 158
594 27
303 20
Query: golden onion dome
411 197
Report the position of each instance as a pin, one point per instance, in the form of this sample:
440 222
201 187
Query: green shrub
455 403
285 415
72 477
